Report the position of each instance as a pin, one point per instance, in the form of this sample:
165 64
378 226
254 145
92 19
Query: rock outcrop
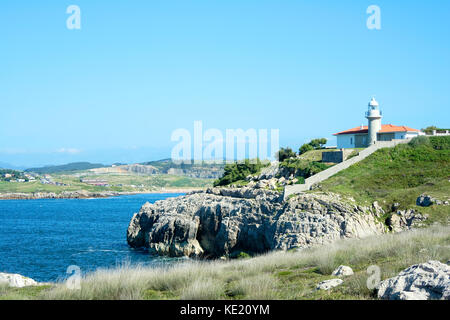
16 280
81 194
342 271
406 219
426 200
222 221
425 281
329 284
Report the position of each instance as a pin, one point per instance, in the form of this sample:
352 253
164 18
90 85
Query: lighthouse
374 116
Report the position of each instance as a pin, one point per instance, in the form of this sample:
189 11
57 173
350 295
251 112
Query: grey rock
269 172
16 280
328 284
425 281
342 271
425 200
406 219
221 221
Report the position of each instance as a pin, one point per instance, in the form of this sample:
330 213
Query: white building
363 136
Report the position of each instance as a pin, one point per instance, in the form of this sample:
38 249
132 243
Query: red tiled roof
385 128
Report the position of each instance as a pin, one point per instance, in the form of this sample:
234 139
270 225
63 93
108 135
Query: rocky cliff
224 222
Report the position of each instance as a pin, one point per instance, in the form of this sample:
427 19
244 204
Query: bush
285 153
239 171
420 141
301 180
305 148
303 168
314 144
440 143
429 130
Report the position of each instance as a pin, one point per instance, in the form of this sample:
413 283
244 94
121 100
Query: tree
429 130
285 153
305 148
314 144
318 143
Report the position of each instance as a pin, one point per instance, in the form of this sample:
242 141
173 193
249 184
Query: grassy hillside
277 275
400 175
119 183
164 165
75 166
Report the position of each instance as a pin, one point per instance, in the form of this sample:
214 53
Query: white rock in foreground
425 281
16 280
328 284
342 271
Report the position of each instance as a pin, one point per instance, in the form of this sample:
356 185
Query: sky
116 89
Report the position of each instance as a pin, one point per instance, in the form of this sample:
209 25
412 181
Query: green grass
276 275
315 155
26 293
399 175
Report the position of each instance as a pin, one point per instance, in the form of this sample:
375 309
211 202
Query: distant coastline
87 194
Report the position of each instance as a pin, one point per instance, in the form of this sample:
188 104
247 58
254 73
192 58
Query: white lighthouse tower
374 116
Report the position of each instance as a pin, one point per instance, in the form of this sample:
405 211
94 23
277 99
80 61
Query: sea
42 238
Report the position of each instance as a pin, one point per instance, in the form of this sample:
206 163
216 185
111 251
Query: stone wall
336 156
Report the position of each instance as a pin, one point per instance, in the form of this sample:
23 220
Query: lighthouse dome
373 103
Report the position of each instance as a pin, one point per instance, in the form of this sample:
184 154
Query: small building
364 136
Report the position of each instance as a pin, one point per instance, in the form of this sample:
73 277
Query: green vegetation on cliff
238 171
303 168
400 175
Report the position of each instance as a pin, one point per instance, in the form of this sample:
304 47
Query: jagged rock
269 172
328 284
406 219
80 194
425 281
342 271
16 280
221 221
261 184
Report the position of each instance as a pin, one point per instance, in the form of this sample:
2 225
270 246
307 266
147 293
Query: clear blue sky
137 70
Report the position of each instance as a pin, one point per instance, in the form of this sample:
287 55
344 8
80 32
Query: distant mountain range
206 170
74 166
5 165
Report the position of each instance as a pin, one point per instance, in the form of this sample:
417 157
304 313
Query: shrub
420 141
239 171
314 144
305 148
303 168
440 143
285 153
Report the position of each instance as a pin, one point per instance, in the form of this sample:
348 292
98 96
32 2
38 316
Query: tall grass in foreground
277 275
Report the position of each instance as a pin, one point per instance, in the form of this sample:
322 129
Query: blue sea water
42 238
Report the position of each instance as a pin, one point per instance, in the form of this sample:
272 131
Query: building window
351 140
